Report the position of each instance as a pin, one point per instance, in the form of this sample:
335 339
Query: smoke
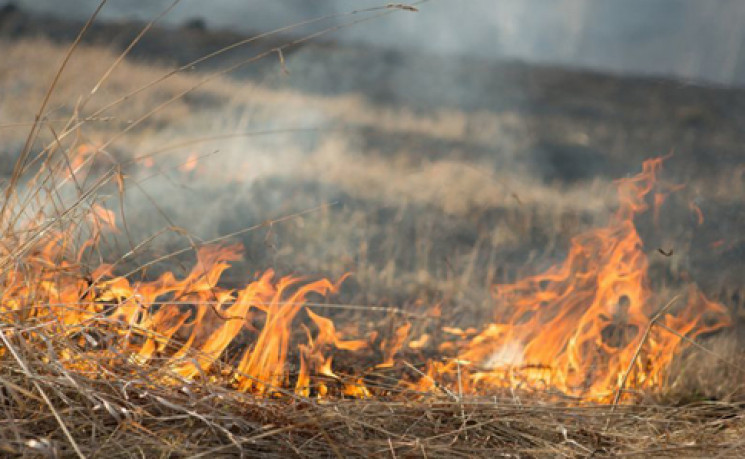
439 162
689 39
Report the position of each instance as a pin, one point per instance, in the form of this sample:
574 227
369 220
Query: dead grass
111 407
228 118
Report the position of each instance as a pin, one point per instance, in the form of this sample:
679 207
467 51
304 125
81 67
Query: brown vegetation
234 157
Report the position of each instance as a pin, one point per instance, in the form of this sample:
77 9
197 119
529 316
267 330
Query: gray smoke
688 39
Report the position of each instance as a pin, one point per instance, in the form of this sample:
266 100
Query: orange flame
576 327
583 327
697 211
207 317
103 218
190 164
81 155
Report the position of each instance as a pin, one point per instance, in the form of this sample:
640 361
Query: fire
587 327
81 155
146 317
103 218
697 211
190 164
577 327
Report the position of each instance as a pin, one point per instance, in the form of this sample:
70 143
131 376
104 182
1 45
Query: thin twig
643 340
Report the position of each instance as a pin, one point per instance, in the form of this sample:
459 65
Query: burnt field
432 187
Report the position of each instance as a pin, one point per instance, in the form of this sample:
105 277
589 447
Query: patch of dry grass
113 408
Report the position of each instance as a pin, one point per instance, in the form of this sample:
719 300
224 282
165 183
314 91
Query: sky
700 40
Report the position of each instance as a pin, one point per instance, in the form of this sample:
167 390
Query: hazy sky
698 39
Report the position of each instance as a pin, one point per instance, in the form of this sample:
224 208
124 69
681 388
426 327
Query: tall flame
584 327
577 326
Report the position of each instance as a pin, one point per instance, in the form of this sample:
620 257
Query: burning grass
50 410
590 327
256 369
101 356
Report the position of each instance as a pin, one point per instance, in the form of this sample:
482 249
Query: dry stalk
652 322
43 394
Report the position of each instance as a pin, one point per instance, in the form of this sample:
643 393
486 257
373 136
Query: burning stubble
448 259
576 328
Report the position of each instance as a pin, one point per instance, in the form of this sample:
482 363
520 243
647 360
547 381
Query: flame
103 218
697 211
81 155
190 164
207 317
577 326
588 327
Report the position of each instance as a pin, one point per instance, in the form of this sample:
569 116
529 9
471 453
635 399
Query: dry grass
273 175
208 113
117 409
110 407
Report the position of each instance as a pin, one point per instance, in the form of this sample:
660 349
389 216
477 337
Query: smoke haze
688 39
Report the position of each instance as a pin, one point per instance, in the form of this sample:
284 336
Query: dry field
425 200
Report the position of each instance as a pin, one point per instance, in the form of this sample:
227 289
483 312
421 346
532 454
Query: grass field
427 202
